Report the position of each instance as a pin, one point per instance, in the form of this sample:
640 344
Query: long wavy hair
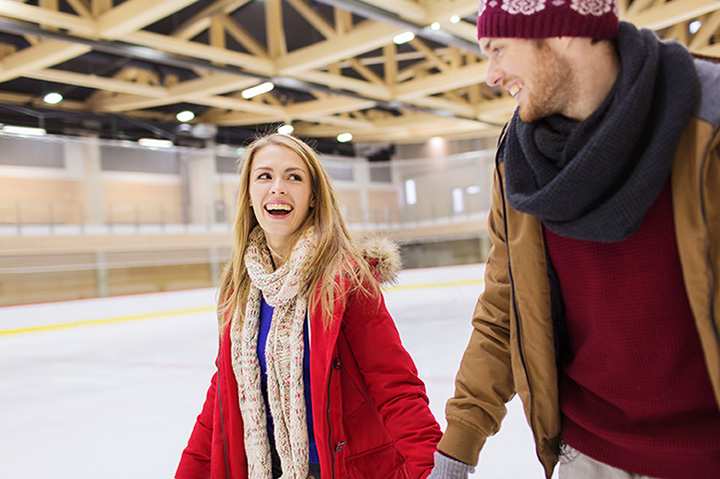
335 259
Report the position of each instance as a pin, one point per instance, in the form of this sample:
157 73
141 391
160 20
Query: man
601 306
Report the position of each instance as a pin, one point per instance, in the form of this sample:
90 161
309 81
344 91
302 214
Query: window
458 204
410 196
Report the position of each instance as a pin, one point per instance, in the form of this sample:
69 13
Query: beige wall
41 200
350 204
144 203
383 206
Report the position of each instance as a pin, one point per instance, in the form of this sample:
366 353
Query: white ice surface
118 401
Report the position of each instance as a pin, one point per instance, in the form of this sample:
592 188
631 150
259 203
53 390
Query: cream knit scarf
284 355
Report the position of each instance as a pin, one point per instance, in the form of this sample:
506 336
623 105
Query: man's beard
552 86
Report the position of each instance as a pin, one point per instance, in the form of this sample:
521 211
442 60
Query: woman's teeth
514 90
278 209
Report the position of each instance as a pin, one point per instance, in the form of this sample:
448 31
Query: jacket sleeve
195 459
484 381
392 381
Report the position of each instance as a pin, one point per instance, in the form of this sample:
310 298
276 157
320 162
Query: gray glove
448 468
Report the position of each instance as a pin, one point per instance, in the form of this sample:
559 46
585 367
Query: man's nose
494 74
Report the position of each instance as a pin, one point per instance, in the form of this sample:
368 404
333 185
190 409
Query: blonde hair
335 257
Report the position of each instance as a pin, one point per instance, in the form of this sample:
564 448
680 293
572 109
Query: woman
312 379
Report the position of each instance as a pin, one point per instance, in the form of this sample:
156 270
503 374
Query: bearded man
601 307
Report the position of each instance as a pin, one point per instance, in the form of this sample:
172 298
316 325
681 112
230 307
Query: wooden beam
328 106
201 21
31 13
190 91
420 46
365 37
496 110
42 55
217 32
668 14
391 64
710 27
343 21
366 73
313 18
133 15
94 81
378 92
243 37
198 50
100 6
404 8
51 6
463 109
451 80
80 8
275 29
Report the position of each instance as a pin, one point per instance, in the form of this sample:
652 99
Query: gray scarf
595 179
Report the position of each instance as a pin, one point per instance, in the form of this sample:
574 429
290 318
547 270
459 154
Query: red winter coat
370 409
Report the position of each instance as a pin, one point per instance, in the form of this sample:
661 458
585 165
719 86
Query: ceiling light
155 143
455 19
53 98
185 116
23 130
286 129
257 90
344 137
435 26
473 190
694 27
404 37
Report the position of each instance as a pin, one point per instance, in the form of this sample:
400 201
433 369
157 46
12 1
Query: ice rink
110 388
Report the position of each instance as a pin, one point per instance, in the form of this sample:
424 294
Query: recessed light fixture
695 26
344 137
23 130
455 19
53 98
435 26
155 143
185 116
404 37
286 129
257 90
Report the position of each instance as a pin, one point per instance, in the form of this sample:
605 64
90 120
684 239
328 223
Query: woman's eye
296 177
264 176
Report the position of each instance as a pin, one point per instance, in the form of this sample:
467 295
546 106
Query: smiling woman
312 379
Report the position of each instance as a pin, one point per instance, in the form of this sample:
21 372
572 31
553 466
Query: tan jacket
512 348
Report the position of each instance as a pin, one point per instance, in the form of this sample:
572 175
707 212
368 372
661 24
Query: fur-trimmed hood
383 256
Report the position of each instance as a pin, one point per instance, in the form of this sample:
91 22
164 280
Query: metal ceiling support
375 13
123 49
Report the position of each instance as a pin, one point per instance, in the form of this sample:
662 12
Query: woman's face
280 193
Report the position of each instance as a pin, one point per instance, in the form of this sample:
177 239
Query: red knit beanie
547 18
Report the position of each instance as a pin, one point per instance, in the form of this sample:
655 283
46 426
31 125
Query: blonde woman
312 379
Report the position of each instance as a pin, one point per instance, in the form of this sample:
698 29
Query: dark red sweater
635 391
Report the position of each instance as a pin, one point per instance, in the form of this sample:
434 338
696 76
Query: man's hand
449 468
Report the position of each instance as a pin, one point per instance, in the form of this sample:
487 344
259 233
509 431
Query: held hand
449 468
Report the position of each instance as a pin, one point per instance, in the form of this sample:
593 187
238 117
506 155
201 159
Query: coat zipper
703 212
512 293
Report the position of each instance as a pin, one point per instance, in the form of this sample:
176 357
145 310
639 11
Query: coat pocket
383 462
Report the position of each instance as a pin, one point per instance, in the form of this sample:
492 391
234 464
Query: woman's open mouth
278 210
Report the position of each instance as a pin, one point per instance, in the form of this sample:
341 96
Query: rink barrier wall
208 309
